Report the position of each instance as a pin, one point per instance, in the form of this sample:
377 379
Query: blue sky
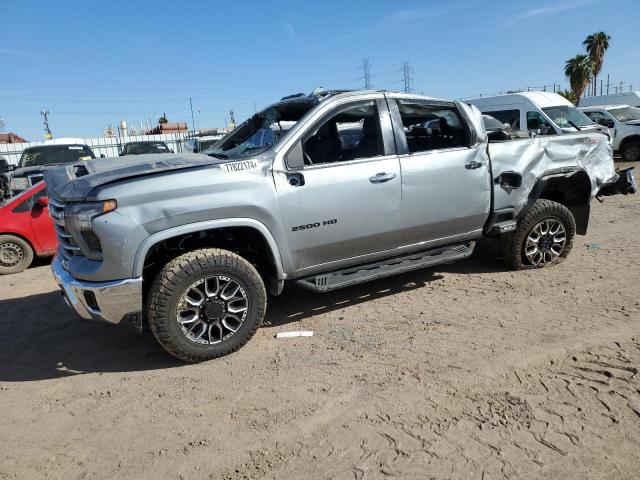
93 63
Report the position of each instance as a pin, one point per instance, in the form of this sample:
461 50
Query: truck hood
25 171
73 182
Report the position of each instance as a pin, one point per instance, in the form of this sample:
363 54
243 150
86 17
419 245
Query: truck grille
68 246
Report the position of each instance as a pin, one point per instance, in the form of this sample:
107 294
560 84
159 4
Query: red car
26 230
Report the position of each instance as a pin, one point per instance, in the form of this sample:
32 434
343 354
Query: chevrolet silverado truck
192 244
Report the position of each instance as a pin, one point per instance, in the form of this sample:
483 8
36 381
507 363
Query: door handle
473 165
382 177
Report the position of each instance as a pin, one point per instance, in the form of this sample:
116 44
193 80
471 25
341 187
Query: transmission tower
366 76
407 77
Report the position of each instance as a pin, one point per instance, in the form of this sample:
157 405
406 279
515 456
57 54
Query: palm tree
569 95
579 70
597 44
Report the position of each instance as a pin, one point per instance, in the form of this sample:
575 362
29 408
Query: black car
5 179
34 161
140 148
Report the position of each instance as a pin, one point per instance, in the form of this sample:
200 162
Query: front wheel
15 254
205 304
543 237
631 152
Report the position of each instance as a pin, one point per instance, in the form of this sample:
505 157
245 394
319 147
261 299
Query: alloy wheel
546 242
212 309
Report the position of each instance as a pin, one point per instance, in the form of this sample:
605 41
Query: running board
372 271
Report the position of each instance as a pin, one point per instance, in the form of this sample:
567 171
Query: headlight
80 215
19 183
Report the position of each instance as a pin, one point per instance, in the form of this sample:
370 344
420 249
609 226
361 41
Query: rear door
339 190
446 181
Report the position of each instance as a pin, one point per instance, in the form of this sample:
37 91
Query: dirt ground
464 371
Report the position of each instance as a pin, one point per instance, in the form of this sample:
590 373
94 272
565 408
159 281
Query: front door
341 203
446 189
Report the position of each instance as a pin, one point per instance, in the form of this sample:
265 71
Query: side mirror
43 202
13 168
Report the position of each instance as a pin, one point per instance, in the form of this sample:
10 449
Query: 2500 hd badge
314 225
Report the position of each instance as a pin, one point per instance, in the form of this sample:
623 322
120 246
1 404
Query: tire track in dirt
550 414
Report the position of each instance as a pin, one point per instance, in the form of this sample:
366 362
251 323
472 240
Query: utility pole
607 84
366 73
47 131
407 79
193 123
233 120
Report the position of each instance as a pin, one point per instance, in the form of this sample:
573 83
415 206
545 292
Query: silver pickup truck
361 185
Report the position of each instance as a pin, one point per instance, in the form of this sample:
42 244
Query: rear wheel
205 304
631 152
15 254
543 237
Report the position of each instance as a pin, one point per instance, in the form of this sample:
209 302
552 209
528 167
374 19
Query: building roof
11 138
168 128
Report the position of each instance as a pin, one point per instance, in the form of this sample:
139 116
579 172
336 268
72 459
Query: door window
351 133
431 126
601 119
512 117
537 123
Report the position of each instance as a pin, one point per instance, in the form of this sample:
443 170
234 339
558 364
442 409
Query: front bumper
117 301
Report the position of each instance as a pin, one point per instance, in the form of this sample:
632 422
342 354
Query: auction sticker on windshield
239 166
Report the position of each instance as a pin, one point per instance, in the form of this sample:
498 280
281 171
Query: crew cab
26 230
356 189
34 161
623 121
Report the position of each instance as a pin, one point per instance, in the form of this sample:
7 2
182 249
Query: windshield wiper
217 155
574 125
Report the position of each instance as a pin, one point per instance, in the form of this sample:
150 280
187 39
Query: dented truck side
363 185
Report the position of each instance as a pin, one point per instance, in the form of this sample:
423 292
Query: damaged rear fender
570 187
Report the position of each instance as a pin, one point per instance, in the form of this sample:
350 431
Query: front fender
150 241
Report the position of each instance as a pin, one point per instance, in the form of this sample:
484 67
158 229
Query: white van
541 113
631 99
623 122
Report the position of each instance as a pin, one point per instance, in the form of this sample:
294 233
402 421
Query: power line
407 78
366 68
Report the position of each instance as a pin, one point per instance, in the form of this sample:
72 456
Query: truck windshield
262 130
54 154
566 116
627 114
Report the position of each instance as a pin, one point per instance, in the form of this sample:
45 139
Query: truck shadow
41 339
297 303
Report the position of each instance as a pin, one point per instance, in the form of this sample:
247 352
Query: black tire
513 243
178 277
15 254
631 152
